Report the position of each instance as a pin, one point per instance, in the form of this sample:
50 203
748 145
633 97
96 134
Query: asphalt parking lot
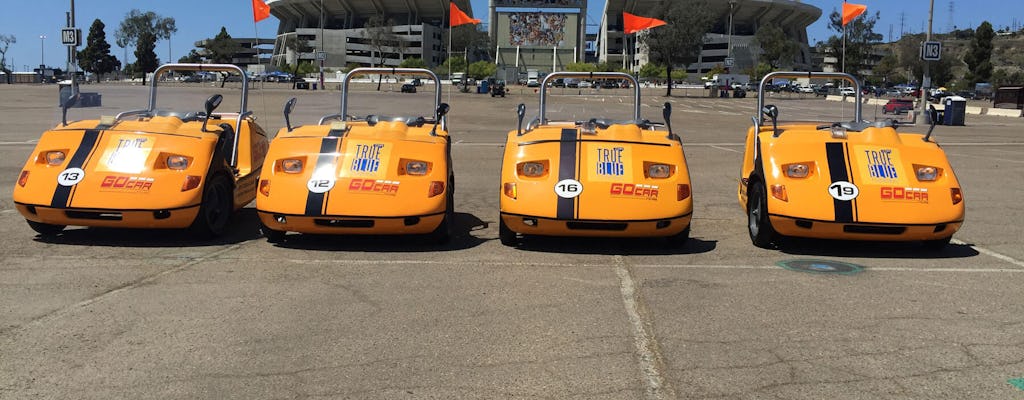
99 314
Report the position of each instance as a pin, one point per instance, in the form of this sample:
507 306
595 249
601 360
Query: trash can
483 88
956 110
63 93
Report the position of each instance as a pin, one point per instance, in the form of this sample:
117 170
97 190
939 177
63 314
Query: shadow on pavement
614 246
243 227
461 239
865 249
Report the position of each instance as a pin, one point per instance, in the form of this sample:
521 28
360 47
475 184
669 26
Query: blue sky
197 19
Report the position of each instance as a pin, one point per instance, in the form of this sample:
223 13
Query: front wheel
760 227
215 210
272 235
44 229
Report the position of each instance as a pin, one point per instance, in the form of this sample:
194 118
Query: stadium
747 15
341 36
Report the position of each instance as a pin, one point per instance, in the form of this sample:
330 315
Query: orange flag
851 11
260 10
457 16
633 24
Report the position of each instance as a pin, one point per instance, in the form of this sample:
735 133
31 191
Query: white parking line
983 250
643 339
986 158
723 148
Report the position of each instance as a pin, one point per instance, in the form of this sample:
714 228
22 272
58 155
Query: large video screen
536 29
541 3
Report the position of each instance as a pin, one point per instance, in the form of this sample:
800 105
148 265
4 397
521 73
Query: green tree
96 57
222 48
193 57
860 39
145 56
652 70
413 62
979 55
293 44
136 22
888 69
482 69
679 42
5 42
457 64
778 49
581 67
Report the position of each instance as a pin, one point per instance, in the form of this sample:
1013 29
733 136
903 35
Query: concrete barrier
834 98
975 110
1003 112
877 102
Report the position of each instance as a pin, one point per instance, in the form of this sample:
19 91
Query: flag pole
450 54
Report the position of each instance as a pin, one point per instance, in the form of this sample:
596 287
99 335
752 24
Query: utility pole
926 81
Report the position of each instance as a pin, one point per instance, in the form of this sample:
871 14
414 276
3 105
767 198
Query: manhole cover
821 266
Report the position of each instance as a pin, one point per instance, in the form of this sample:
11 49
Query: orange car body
144 169
594 179
379 175
858 181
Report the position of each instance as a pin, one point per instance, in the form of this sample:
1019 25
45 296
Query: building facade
336 30
726 40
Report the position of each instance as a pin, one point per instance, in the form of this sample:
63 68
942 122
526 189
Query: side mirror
288 107
933 114
68 102
771 111
520 113
442 110
211 104
666 112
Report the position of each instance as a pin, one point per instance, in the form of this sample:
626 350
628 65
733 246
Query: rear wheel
506 235
215 210
937 244
761 232
680 238
44 229
272 235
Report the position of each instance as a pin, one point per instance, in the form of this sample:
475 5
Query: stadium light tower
42 52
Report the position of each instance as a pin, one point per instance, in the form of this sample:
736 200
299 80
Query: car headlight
797 170
55 157
926 173
291 165
658 171
417 167
177 163
532 169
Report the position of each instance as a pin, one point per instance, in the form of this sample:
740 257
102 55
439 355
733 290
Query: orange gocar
858 180
595 177
379 174
151 168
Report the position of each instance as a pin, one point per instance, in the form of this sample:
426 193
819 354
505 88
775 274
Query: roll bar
391 71
758 118
589 75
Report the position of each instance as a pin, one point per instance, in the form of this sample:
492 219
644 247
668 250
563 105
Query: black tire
505 235
272 235
44 229
215 210
758 225
680 238
937 244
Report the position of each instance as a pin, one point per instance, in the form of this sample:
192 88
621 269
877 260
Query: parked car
847 91
157 167
850 180
898 106
408 88
594 177
386 173
585 85
498 88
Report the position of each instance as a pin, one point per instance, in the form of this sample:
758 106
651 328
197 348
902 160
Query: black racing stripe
849 167
335 133
315 201
836 155
566 170
85 147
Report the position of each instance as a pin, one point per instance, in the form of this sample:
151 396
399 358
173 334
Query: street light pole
42 53
926 81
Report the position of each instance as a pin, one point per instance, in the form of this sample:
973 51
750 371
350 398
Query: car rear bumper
352 225
799 227
532 225
112 218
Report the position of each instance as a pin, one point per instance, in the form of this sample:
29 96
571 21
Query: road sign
321 55
931 51
729 61
71 36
